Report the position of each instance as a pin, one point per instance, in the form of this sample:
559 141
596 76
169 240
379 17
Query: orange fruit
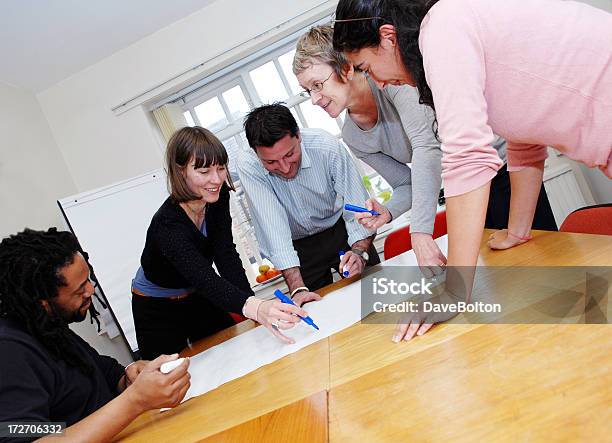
270 273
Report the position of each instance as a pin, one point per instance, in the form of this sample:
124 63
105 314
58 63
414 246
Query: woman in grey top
388 128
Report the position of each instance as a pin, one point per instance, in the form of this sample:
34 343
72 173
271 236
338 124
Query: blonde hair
316 46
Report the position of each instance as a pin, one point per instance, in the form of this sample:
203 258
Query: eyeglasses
316 86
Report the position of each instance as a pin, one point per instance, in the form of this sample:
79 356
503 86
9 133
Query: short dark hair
201 145
266 125
30 271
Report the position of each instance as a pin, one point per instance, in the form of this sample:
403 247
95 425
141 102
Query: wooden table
459 382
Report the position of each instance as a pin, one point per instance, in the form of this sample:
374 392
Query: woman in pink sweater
536 72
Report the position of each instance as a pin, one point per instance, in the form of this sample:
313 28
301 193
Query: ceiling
45 41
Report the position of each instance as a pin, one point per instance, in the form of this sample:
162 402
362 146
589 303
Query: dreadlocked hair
30 264
405 15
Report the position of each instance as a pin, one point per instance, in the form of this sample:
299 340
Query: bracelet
520 238
127 379
296 290
251 308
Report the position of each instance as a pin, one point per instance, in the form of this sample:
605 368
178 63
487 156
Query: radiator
563 191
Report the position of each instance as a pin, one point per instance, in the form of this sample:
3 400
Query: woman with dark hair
387 129
538 73
177 297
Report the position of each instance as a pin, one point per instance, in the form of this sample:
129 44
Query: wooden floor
459 382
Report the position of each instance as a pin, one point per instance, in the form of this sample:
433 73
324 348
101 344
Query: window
222 104
189 118
268 83
211 114
286 63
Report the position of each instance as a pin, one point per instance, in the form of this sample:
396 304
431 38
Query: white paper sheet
245 353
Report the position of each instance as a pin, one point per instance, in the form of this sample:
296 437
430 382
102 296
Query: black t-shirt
178 255
36 387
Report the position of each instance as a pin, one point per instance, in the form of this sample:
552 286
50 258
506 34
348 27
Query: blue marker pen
345 271
359 209
282 297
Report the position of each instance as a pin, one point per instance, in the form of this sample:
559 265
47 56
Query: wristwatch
362 254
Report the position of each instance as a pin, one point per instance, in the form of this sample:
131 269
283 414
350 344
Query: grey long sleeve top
403 134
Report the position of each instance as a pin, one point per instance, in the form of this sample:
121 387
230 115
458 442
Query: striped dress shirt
283 210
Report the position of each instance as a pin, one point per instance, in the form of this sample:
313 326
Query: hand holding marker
345 271
354 208
282 297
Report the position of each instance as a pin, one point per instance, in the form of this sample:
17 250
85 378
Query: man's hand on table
302 297
352 263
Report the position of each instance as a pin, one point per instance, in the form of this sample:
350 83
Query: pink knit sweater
536 72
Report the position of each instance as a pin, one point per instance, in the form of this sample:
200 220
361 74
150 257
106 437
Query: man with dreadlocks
47 372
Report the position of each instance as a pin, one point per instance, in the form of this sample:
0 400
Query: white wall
100 147
33 174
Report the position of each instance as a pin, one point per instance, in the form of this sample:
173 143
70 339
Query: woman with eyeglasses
388 128
177 296
539 73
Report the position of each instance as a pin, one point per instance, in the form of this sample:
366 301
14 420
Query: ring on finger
275 324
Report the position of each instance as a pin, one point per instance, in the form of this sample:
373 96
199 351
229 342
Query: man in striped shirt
296 184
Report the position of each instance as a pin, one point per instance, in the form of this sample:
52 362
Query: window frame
240 76
237 74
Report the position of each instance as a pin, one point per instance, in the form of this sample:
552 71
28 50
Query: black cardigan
178 255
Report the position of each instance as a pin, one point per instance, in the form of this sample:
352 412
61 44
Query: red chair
399 241
590 220
237 317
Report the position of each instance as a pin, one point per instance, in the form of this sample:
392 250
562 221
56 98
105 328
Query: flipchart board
111 225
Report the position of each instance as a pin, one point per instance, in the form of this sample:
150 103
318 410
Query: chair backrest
589 220
237 317
399 241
